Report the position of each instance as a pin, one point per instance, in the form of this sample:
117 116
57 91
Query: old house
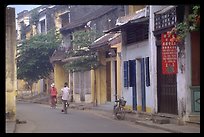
144 85
107 82
135 56
31 24
99 18
179 93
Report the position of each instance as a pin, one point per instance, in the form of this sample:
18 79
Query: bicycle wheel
121 114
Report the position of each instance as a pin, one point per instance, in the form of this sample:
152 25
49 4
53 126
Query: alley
42 119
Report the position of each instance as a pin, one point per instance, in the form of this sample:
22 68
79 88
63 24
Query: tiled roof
104 40
58 55
89 17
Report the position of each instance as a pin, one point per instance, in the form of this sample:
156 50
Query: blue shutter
143 84
132 70
147 71
125 73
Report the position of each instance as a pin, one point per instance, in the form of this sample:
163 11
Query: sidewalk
10 126
106 110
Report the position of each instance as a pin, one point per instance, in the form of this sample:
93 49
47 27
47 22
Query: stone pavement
106 110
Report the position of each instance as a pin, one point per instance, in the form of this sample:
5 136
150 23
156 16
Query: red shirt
53 91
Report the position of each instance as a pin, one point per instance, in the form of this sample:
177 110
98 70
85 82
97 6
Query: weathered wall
11 71
79 11
60 77
82 86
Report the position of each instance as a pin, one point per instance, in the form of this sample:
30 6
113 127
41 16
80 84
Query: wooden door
166 88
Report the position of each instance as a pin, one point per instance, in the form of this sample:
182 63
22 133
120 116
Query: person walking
53 96
65 96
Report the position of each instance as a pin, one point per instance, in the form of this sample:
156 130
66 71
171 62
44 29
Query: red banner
169 54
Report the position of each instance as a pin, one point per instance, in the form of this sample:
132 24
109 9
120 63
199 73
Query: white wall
131 52
82 84
183 78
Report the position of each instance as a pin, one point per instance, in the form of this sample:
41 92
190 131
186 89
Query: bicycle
118 109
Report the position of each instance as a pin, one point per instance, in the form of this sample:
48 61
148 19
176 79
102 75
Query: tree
85 59
33 61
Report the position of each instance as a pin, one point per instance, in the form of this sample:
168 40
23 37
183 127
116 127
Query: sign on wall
169 54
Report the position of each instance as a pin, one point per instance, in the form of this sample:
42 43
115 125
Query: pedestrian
53 95
65 96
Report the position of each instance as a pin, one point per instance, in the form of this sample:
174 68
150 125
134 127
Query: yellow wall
21 85
34 30
60 76
101 78
100 93
57 21
133 8
11 70
11 104
92 85
47 83
38 86
119 87
28 34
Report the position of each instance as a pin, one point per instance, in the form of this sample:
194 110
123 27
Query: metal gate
166 88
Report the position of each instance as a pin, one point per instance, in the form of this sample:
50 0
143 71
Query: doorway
108 81
166 88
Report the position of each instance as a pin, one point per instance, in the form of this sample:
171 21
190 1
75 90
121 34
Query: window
42 24
166 19
136 33
22 29
65 18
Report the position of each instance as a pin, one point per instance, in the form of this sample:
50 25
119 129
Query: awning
135 21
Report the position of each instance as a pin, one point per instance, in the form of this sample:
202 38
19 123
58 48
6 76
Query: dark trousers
53 101
65 105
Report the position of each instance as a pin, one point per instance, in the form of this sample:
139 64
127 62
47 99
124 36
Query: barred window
166 19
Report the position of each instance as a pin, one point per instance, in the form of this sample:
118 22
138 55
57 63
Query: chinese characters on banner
169 54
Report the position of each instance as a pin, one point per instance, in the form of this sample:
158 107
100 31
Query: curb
156 127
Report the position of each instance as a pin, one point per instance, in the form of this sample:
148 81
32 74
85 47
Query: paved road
43 119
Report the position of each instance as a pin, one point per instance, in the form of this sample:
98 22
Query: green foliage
34 17
192 23
84 63
33 61
87 59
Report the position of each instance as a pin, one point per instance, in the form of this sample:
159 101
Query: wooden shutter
125 73
132 70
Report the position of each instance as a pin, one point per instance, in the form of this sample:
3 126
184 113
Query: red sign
169 54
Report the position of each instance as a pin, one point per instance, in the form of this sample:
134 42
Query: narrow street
43 119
